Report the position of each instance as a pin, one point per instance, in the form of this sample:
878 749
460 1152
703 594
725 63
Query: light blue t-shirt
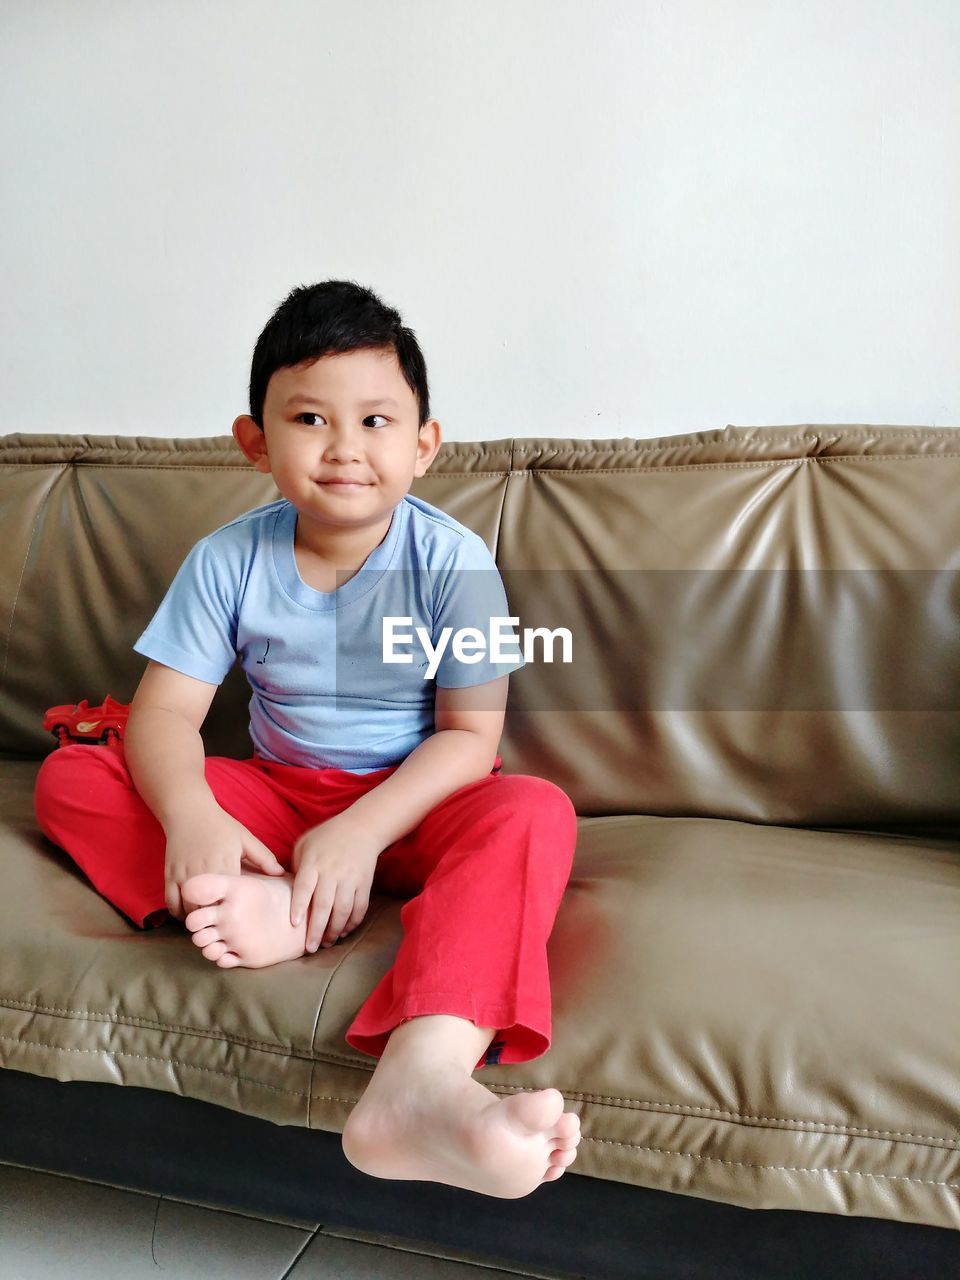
322 694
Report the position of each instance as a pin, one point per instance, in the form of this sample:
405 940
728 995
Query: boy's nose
343 445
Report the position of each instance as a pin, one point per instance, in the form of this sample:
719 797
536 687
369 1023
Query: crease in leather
41 508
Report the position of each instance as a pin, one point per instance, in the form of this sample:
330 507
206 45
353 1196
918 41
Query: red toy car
81 723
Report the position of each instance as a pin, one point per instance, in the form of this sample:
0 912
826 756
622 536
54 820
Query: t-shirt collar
364 580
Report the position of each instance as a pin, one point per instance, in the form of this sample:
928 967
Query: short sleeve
482 643
195 628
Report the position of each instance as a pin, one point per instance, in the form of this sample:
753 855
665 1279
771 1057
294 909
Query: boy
365 776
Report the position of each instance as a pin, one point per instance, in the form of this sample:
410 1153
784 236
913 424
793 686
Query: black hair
333 317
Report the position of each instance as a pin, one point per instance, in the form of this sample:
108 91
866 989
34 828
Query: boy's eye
317 415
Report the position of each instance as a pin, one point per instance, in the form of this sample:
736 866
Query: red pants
483 873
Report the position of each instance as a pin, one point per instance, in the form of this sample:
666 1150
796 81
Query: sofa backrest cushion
768 618
764 621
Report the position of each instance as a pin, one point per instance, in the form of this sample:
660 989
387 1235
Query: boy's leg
485 872
491 863
86 802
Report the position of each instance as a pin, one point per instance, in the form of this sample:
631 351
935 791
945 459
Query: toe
567 1129
203 937
553 1173
214 950
205 889
563 1158
536 1111
200 918
229 960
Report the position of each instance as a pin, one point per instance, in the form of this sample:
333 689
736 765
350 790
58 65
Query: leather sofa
755 965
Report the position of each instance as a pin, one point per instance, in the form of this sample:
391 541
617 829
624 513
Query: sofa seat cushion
761 1015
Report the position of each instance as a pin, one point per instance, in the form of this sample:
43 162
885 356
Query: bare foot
434 1123
243 920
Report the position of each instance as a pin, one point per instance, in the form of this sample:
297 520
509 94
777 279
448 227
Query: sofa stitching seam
571 1095
736 1117
720 437
787 1169
239 469
299 1093
203 468
717 435
168 1062
526 471
150 1024
730 466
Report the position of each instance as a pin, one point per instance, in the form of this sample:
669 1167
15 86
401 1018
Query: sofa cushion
766 620
761 1015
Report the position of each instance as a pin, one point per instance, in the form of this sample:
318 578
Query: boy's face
341 439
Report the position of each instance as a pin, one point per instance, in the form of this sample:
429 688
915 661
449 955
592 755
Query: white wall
601 219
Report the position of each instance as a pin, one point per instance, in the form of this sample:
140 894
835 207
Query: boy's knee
541 799
70 771
47 787
52 772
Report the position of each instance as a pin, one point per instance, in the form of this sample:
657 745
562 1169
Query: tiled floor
54 1228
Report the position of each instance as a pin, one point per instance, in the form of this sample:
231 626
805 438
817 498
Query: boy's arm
468 724
165 756
162 743
335 862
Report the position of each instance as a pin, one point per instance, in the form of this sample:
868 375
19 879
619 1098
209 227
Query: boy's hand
209 839
334 865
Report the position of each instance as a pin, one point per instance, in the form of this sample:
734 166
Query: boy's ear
428 442
252 442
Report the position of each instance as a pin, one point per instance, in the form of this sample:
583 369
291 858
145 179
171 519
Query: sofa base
164 1144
